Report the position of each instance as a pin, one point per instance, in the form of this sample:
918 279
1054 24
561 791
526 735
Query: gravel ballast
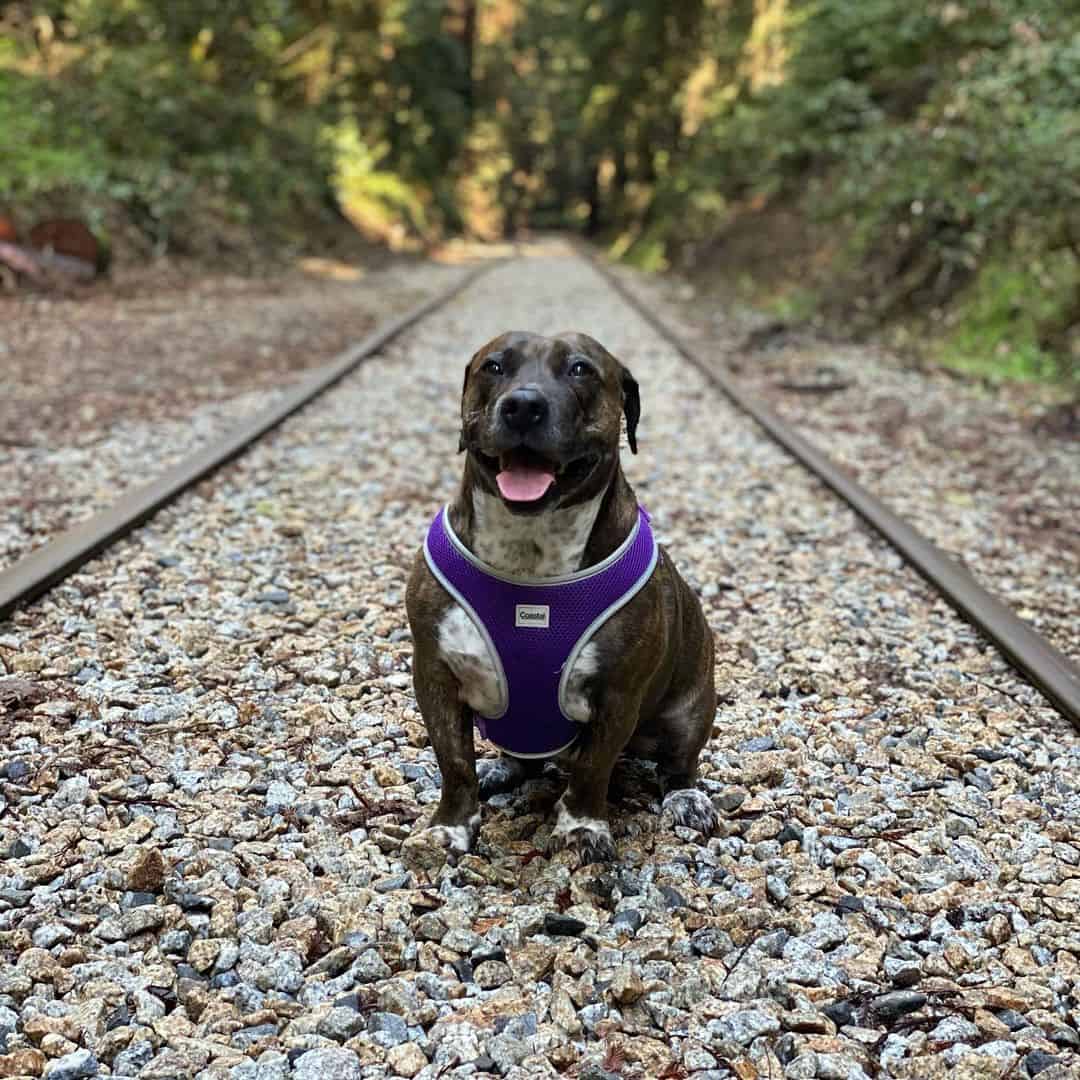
989 476
103 392
212 762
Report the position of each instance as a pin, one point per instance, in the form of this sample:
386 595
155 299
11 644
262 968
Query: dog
545 514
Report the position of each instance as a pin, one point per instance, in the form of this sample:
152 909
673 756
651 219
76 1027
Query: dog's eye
492 367
579 368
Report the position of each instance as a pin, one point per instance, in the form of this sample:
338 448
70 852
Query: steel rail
1042 664
35 573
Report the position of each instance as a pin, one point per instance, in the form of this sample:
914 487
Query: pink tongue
520 484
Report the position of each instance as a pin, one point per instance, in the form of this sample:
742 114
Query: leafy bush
139 130
207 121
44 149
939 139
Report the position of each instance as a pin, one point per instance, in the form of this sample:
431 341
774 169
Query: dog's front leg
450 727
581 821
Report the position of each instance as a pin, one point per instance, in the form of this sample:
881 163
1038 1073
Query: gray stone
897 1003
136 921
245 1038
370 967
777 889
802 1067
828 932
129 1062
17 849
710 942
73 1066
283 971
16 771
954 1029
387 1029
460 1041
9 1022
270 1066
71 792
522 1026
49 934
592 1015
279 795
327 1063
743 983
506 1051
1038 1061
175 942
341 1023
228 954
744 1027
839 1067
1001 1050
628 919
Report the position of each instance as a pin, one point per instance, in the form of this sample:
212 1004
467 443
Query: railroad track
212 756
1031 654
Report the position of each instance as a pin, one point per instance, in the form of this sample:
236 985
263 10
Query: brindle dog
543 494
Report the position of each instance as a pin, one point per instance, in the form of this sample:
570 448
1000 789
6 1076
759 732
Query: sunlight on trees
937 144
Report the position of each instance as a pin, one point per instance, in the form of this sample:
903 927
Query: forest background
904 169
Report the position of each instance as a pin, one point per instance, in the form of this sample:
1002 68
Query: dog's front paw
692 809
589 837
433 847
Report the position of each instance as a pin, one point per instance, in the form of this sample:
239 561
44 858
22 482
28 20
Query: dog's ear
464 387
631 403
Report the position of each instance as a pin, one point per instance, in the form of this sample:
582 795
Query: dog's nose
523 409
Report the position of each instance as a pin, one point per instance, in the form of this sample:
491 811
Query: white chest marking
466 654
541 545
575 703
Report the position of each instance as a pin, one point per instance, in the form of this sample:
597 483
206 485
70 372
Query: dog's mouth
526 478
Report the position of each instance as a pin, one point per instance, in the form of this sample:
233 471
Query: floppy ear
464 387
631 403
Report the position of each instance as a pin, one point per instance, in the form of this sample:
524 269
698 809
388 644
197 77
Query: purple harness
535 628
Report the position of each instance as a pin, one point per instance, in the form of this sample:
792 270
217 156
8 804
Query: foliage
201 115
942 141
1000 320
935 146
41 151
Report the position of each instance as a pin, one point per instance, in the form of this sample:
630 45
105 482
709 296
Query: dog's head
541 418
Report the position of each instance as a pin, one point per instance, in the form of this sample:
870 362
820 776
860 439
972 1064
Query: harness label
533 615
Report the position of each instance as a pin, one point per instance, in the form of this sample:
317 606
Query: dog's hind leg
688 724
504 773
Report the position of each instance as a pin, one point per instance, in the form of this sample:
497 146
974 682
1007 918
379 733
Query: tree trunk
462 22
594 223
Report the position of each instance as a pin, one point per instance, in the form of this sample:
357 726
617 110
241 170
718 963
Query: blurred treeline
886 162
